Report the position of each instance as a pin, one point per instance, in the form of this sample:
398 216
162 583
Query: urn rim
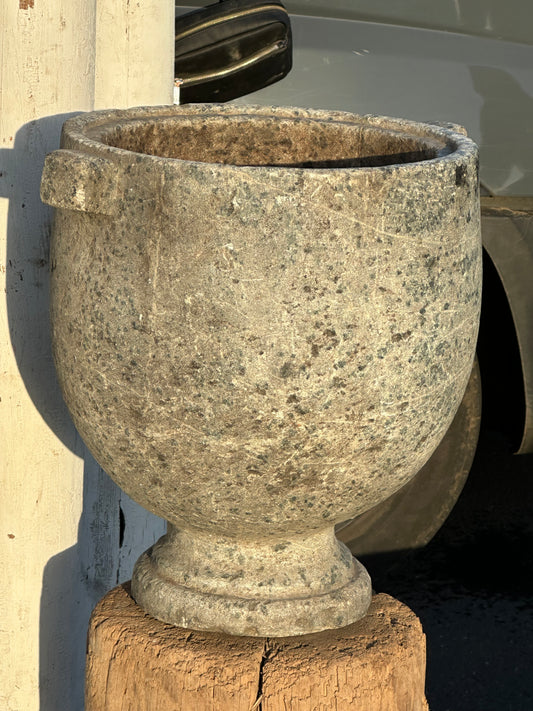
445 143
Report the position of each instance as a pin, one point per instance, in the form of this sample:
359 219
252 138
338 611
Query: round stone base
273 589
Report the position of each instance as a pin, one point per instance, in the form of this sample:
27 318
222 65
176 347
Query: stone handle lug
72 180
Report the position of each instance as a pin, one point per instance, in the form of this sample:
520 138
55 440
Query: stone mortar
263 322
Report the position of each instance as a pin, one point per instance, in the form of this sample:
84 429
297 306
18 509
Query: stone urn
263 322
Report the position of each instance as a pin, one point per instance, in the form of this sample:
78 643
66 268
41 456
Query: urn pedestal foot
279 587
137 663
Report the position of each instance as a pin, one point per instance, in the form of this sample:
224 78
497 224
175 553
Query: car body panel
511 20
468 62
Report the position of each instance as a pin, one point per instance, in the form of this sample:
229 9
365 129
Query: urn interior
292 142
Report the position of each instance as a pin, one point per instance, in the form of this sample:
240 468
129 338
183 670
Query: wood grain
136 663
376 664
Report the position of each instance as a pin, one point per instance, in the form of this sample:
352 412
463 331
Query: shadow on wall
73 582
505 103
112 533
75 579
112 530
63 629
27 270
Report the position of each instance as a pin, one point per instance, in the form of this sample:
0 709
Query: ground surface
472 588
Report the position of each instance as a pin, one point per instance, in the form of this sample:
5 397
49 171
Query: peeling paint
26 4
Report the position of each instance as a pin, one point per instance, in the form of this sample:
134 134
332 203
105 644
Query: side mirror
230 49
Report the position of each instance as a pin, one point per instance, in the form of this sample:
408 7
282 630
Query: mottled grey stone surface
263 325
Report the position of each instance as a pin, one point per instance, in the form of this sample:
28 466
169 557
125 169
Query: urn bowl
263 322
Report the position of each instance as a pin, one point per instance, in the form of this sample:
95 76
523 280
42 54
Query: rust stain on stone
26 4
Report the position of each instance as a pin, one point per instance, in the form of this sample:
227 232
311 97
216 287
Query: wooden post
136 663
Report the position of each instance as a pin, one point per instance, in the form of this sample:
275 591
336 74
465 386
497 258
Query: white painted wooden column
60 520
131 70
134 53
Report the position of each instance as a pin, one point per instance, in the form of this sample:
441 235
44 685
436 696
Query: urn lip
428 144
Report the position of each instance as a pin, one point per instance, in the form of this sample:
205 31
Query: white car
463 63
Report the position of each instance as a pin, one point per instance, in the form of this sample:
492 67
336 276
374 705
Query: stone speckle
264 325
